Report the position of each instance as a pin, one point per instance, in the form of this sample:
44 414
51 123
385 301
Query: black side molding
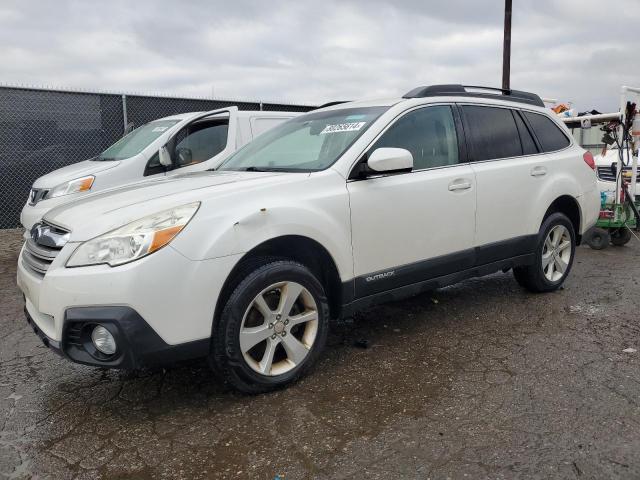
406 280
410 290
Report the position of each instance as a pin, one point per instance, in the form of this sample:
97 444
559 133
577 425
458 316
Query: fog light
103 340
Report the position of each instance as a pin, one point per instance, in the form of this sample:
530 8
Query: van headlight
83 184
134 240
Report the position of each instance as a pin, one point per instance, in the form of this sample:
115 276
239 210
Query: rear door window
492 131
549 135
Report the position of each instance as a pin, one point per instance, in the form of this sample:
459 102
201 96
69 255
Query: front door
410 227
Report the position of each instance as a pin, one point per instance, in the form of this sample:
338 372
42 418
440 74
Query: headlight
74 186
134 240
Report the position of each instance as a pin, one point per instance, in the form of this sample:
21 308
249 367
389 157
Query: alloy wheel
279 328
556 253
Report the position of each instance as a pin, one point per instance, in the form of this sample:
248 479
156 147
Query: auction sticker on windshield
343 127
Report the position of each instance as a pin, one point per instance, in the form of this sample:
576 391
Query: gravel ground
481 380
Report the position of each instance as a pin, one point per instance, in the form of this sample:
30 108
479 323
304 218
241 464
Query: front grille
43 247
607 173
36 195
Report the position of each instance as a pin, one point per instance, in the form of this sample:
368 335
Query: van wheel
272 329
554 254
621 237
598 238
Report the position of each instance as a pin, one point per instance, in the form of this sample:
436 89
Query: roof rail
458 90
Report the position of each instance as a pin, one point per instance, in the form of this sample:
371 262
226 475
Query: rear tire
620 237
598 238
554 254
272 328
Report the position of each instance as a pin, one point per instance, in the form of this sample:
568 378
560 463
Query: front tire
554 255
272 328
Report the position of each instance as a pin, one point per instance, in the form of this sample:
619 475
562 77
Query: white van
181 143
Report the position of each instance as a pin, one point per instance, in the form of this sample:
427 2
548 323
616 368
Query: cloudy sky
317 51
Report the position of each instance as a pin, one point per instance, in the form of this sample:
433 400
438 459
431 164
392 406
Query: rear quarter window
549 135
528 144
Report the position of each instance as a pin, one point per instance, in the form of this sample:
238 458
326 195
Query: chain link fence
43 130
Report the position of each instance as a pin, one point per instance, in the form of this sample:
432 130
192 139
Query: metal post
634 171
635 135
125 121
623 119
506 47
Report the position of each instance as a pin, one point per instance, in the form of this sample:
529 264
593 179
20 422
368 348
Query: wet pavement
479 380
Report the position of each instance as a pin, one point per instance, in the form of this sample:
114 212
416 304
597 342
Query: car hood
71 172
103 211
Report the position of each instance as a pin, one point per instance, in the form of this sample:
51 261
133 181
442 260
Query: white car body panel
498 219
400 200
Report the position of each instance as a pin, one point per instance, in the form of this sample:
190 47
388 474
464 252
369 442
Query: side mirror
390 160
165 156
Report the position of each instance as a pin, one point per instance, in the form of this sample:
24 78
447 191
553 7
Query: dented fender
237 226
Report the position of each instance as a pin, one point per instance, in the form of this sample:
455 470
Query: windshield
133 143
306 143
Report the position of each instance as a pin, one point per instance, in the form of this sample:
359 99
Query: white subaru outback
325 214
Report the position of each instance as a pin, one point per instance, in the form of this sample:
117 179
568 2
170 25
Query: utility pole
506 47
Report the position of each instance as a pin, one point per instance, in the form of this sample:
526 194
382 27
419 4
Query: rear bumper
589 209
138 345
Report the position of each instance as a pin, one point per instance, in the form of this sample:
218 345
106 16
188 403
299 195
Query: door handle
538 171
459 184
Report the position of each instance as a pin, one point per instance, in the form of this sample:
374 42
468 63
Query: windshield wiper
254 169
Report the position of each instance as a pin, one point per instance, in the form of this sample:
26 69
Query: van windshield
307 143
136 141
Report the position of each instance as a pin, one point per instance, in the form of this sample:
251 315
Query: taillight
588 159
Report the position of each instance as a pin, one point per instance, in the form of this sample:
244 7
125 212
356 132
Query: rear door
413 226
510 173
